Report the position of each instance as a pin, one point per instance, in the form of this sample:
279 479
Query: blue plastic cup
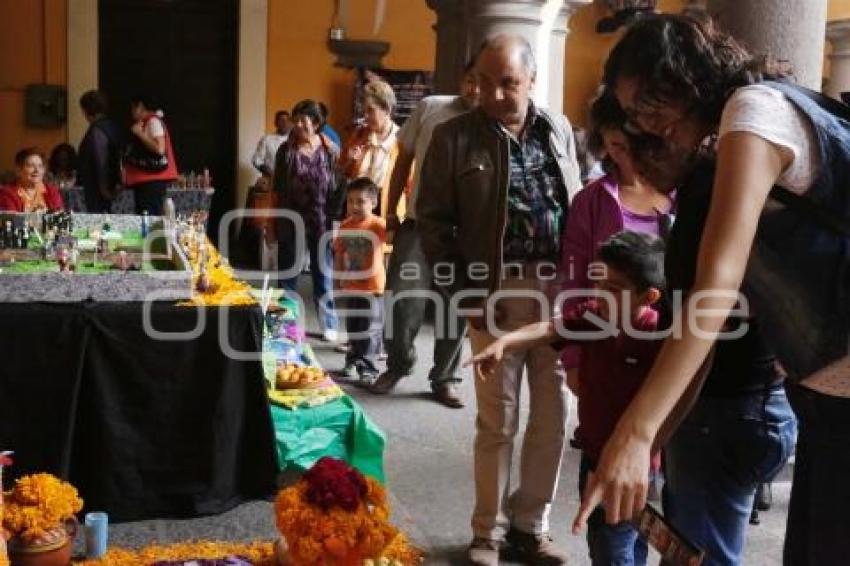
97 534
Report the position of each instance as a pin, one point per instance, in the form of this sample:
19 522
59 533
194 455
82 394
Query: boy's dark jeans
610 545
409 272
364 329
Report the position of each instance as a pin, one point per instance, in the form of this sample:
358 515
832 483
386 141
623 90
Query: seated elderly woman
29 193
372 148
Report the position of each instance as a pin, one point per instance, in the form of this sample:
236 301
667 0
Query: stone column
462 25
452 48
557 53
541 22
838 34
488 17
788 30
82 62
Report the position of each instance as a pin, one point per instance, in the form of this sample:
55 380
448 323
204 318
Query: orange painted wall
300 65
837 9
586 54
33 49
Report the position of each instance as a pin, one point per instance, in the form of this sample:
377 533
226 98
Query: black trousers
149 196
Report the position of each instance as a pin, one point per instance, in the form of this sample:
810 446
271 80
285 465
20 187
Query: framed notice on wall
409 86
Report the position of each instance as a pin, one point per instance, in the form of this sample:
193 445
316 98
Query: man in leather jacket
495 189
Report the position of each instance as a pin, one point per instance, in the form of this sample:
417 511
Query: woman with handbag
305 179
149 165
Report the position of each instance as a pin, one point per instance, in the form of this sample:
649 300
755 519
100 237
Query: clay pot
53 549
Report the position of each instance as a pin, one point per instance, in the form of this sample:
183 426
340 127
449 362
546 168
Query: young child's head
634 266
361 198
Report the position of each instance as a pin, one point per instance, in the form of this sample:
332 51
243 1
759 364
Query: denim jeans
715 461
409 272
320 273
818 531
610 545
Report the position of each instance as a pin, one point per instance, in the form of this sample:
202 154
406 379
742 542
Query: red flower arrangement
336 516
332 483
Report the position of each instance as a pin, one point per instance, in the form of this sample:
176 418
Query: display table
339 429
186 201
315 422
144 428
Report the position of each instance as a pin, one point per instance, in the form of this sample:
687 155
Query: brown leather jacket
461 209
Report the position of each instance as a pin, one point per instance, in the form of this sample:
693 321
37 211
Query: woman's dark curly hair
678 58
605 115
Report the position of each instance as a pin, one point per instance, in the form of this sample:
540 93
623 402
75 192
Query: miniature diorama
66 257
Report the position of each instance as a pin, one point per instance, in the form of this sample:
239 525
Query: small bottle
207 180
9 235
145 224
25 238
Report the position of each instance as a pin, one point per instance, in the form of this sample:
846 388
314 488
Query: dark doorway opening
184 54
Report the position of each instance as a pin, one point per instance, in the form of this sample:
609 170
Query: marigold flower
38 504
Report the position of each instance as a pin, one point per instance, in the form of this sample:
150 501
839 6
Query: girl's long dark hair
605 114
678 58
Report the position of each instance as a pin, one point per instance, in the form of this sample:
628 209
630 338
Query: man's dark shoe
447 394
385 383
348 373
366 379
484 552
535 549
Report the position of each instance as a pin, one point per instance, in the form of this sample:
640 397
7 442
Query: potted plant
38 520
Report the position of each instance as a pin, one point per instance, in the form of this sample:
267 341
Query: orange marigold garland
258 553
37 504
222 288
335 515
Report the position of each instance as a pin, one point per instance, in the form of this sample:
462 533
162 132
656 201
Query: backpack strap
821 215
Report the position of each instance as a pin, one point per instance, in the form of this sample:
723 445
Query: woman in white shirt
691 91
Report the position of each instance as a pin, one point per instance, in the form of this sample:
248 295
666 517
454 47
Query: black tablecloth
144 428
